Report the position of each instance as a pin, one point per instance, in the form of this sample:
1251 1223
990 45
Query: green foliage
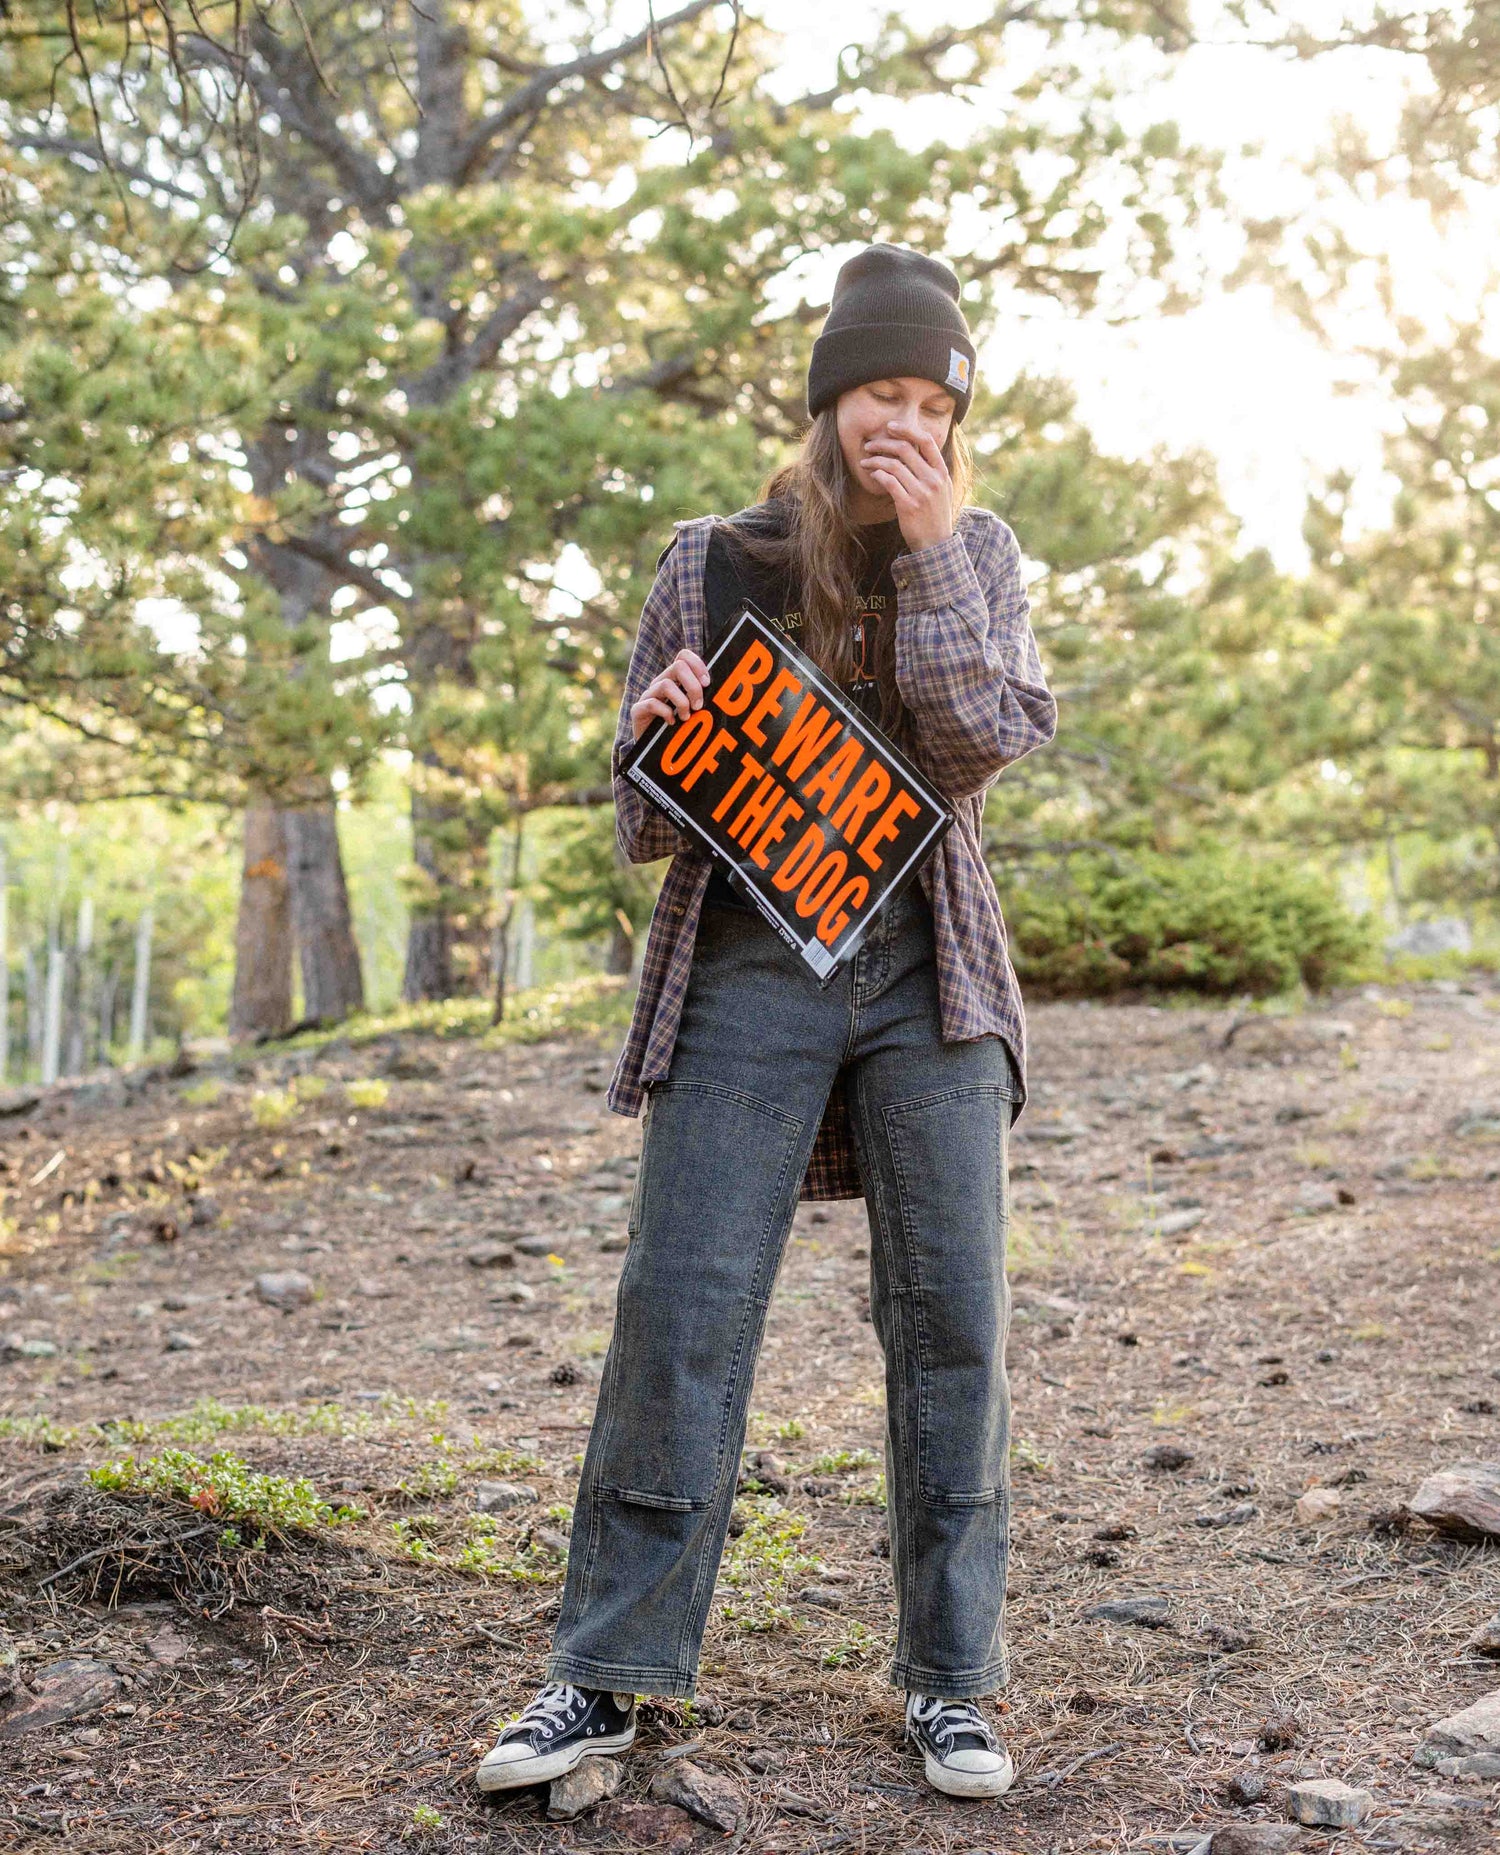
761 1563
1206 921
273 1108
224 1486
844 1461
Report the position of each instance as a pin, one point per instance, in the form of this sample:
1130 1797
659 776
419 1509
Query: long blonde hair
819 553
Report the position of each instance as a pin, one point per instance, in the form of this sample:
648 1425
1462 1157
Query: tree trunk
262 1001
450 931
429 938
332 984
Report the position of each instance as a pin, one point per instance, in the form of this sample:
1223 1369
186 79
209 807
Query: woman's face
865 412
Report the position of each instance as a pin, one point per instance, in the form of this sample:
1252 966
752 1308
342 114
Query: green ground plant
225 1487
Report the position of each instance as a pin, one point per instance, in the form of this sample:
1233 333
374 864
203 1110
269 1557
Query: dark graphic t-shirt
731 578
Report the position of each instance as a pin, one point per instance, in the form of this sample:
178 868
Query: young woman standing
898 1081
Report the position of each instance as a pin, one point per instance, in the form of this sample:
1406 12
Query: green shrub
1205 921
225 1487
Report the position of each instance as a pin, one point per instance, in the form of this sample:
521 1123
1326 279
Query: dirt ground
1273 1241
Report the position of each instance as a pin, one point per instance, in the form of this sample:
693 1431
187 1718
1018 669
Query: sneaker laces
947 1720
551 1710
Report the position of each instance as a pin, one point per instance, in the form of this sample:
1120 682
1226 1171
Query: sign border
827 967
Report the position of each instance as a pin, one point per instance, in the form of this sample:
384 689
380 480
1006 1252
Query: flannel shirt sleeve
644 834
967 663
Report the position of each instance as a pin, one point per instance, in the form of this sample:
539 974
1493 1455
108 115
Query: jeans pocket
948 1152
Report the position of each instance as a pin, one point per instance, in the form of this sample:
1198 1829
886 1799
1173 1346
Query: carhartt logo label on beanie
895 314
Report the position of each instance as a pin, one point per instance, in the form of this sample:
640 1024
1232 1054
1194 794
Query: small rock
494 1497
1475 1729
1486 1639
713 1799
611 1246
371 1289
61 1691
1226 1639
1148 1613
824 1596
1318 1505
1279 1733
1463 1500
762 1466
1236 1516
1247 1787
550 1540
1328 1803
517 1292
18 1348
762 1759
535 1246
204 1211
180 1342
1474 1765
1255 1839
1176 1223
491 1256
1315 1198
582 1788
169 1646
1167 1456
284 1288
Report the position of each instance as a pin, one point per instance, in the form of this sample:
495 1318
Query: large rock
1328 1802
648 1825
284 1288
1475 1729
586 1786
1255 1839
713 1799
61 1691
1463 1500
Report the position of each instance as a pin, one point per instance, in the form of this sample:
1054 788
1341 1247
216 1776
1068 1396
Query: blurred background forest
357 359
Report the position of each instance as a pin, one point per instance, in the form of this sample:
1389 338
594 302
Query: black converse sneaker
961 1750
563 1726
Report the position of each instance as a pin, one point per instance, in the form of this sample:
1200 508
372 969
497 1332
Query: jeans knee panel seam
752 1322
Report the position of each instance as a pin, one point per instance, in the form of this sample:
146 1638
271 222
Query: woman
898 1081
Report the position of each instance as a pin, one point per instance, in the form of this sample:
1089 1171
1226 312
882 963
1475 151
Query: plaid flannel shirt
968 670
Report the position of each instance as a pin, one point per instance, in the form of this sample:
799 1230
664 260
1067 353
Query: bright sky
1237 374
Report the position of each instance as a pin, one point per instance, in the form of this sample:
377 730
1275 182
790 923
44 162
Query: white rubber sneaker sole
510 1774
968 1783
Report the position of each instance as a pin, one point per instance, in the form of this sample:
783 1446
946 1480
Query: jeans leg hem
964 1684
622 1677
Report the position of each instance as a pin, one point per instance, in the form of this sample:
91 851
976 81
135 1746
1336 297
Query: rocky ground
327 1333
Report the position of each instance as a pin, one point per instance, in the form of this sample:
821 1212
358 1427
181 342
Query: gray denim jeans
728 1134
